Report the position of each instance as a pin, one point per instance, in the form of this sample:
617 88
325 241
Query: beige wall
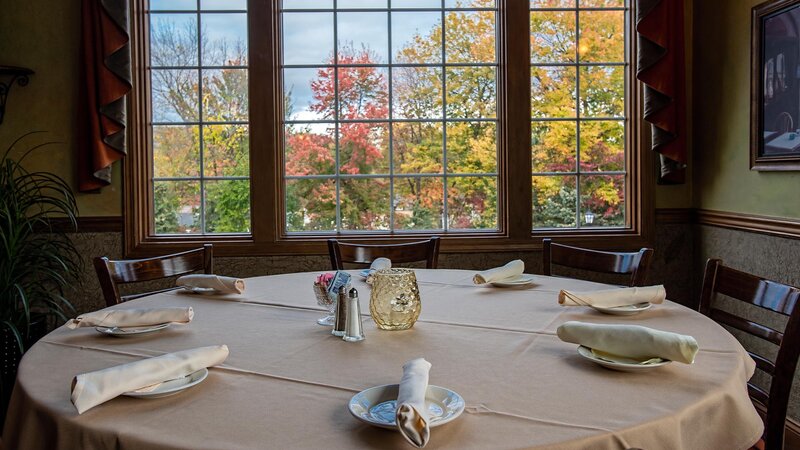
43 35
722 176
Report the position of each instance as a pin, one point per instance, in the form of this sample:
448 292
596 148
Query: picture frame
775 86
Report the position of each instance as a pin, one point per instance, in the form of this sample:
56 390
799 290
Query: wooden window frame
268 236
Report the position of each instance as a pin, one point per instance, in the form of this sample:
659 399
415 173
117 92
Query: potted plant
36 264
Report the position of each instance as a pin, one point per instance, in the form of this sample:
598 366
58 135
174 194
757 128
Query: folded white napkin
380 263
513 269
93 388
412 414
631 341
225 285
132 317
610 298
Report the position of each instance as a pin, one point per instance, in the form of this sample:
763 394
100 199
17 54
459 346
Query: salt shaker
340 316
354 332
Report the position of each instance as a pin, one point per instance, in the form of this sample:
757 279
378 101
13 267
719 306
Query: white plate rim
139 330
156 393
586 352
435 422
520 280
625 309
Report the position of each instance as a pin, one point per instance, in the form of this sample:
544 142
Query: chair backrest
775 297
362 254
113 273
636 264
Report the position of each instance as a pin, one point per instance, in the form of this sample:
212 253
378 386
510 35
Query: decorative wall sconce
9 75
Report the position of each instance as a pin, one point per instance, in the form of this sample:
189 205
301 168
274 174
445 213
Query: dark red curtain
661 67
105 81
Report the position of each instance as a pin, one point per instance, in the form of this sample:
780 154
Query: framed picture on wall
775 86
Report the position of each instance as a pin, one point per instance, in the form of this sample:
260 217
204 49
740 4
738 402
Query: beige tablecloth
287 380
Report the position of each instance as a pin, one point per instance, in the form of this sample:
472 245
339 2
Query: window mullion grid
445 215
200 117
391 118
336 114
577 115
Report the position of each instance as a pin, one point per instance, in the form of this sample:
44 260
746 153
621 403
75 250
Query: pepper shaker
340 316
354 332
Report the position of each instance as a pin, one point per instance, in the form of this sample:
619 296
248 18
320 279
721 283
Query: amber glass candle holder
394 303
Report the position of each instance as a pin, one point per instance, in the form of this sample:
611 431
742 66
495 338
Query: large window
578 107
390 115
273 125
199 97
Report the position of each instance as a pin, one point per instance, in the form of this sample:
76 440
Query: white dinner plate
131 331
171 387
199 290
520 280
377 405
626 310
623 364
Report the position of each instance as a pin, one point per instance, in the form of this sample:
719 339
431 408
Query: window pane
470 37
416 37
469 3
418 203
175 95
602 36
417 147
173 40
224 39
554 146
553 3
225 95
365 35
603 91
311 205
227 206
417 92
472 203
363 92
173 5
307 38
176 151
553 92
310 149
228 5
361 4
554 202
471 92
552 36
365 204
308 94
602 3
177 206
364 148
226 150
471 147
307 4
603 200
602 146
416 3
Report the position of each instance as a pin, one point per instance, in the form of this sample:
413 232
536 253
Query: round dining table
287 381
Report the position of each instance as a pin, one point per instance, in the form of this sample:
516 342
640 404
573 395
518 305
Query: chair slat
763 363
758 394
364 254
635 264
764 332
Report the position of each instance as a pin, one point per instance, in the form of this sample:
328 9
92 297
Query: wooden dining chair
113 273
636 264
363 254
778 298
